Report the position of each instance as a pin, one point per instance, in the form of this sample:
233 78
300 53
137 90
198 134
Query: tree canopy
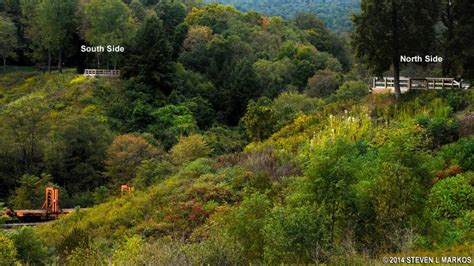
385 30
8 40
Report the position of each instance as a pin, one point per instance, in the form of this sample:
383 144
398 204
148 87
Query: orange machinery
49 211
126 189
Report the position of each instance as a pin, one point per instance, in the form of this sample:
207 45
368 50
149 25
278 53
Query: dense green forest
249 139
336 14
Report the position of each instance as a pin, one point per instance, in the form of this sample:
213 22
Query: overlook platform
415 83
102 73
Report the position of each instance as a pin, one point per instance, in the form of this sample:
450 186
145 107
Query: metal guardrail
101 73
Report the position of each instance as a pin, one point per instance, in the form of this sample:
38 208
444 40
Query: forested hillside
346 178
248 139
336 14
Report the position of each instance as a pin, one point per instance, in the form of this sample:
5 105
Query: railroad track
9 225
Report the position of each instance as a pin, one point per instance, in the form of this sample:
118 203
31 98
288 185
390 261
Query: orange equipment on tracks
126 189
49 211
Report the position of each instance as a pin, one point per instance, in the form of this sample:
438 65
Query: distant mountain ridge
335 13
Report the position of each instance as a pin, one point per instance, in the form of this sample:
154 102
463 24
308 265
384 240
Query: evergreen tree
150 59
387 29
242 84
458 38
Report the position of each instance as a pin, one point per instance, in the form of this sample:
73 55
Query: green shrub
202 111
165 251
439 121
451 197
218 249
172 121
460 153
224 140
397 196
259 120
101 194
442 130
129 252
86 256
260 181
73 239
351 90
322 84
7 251
3 218
247 224
189 149
196 168
456 100
295 235
30 247
290 105
151 172
443 233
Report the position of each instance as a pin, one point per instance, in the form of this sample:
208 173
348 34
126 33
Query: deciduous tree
109 22
259 120
125 155
150 57
8 40
322 84
75 151
56 21
25 124
189 149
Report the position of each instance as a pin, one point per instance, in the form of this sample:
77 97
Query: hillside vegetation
370 176
249 139
193 72
344 177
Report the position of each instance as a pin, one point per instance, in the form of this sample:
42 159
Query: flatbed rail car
35 215
49 211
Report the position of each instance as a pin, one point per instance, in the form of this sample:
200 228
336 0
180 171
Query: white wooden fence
417 83
101 73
